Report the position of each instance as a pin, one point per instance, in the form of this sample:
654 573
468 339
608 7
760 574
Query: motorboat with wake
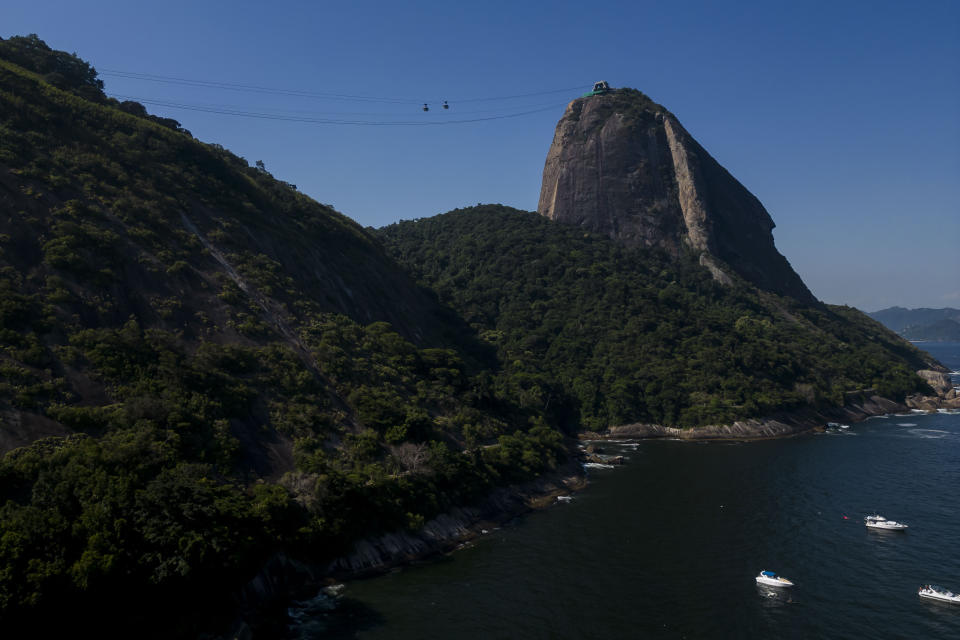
934 592
770 579
879 522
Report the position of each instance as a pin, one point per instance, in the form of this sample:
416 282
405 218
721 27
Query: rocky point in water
623 166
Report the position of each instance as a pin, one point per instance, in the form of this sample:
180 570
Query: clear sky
842 117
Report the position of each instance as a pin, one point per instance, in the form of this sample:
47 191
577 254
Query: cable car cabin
599 88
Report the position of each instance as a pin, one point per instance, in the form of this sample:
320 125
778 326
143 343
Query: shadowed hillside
202 367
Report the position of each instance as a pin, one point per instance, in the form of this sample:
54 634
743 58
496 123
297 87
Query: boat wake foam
930 434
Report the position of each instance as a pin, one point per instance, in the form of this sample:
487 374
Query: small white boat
879 522
934 592
771 579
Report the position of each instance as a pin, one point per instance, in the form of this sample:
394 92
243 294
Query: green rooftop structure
599 88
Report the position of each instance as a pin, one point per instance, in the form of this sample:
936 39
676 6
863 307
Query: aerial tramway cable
230 86
318 120
324 114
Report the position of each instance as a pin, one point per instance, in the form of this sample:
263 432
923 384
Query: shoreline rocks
783 424
946 396
452 529
604 459
282 578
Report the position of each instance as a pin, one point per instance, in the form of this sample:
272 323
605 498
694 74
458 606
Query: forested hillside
200 366
601 335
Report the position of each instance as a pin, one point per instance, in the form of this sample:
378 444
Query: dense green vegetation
601 335
201 367
153 500
228 368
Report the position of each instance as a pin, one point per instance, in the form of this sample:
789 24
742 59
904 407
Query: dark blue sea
669 545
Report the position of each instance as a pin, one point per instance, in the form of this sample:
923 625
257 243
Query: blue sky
842 117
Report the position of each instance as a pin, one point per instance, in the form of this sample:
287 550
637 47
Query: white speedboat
879 522
771 579
934 592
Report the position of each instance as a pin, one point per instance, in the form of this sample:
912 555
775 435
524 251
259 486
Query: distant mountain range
921 324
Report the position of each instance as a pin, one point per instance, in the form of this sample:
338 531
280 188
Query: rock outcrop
944 396
939 381
623 166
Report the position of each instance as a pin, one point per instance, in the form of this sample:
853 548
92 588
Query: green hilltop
604 335
202 368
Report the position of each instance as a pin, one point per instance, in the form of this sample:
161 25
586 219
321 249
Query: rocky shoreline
858 406
459 526
783 424
947 396
283 577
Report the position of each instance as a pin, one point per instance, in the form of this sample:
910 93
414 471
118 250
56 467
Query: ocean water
668 547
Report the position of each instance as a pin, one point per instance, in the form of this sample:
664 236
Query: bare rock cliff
623 166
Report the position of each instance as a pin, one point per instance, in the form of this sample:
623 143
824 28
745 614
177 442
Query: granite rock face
623 166
939 381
